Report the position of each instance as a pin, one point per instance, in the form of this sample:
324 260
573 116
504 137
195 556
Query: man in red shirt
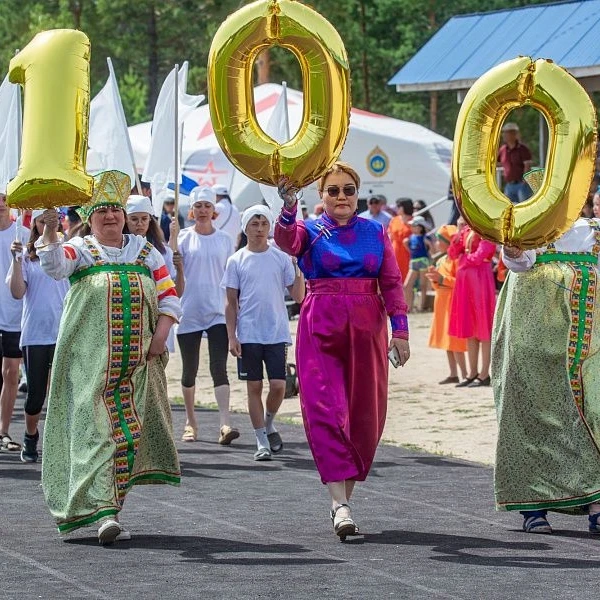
515 159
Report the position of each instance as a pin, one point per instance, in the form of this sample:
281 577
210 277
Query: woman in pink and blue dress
342 342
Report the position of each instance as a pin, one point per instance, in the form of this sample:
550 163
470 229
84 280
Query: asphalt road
237 529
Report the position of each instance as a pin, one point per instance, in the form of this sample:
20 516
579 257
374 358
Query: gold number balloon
54 69
571 122
326 82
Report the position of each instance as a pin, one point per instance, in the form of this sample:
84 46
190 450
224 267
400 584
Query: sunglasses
334 190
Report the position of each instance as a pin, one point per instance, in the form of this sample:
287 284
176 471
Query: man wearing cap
515 159
375 211
228 216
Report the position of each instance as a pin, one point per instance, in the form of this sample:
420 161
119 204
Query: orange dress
398 231
439 336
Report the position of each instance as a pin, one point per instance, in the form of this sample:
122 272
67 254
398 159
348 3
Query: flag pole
138 183
173 242
19 142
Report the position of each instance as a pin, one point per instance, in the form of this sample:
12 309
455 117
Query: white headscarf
139 204
254 211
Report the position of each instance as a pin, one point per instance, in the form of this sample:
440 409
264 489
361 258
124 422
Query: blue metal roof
469 45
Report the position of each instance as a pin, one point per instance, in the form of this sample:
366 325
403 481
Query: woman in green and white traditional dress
108 424
546 380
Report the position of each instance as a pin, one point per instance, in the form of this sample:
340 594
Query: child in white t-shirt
255 279
42 312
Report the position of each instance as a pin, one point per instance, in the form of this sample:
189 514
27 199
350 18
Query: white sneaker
108 531
262 454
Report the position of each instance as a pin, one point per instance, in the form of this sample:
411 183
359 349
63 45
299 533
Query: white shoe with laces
108 531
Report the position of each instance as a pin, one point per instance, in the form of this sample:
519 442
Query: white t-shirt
42 304
261 278
10 309
228 220
204 260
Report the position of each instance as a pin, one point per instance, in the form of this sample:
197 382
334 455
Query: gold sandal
343 526
190 434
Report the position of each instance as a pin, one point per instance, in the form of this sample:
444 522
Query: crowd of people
104 281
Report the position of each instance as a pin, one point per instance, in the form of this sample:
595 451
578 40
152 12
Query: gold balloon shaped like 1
571 120
326 83
54 70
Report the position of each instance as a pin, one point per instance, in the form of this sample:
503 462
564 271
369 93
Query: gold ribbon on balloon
571 120
326 84
54 69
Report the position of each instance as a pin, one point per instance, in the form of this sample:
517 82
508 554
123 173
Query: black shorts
250 366
9 342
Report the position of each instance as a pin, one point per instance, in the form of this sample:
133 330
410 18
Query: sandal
535 522
466 382
345 526
190 434
594 525
7 443
275 442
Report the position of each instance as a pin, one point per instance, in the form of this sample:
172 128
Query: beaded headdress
111 188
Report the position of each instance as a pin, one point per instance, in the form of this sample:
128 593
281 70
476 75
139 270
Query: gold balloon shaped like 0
326 83
571 120
54 70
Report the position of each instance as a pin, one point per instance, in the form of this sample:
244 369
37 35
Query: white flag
10 132
160 162
278 128
108 136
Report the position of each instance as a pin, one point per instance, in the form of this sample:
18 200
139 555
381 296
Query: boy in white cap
257 324
228 216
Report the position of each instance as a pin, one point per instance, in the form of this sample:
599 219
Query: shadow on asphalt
196 469
218 551
22 473
455 549
439 461
207 447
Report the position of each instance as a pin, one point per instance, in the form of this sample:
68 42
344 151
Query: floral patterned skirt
108 424
546 381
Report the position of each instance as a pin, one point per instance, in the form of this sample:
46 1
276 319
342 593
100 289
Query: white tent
394 158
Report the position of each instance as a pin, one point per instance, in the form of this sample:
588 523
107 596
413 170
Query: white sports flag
10 131
160 162
278 128
108 135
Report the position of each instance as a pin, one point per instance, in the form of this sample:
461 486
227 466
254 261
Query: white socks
262 441
222 398
269 425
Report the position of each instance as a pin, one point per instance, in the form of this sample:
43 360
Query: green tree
146 38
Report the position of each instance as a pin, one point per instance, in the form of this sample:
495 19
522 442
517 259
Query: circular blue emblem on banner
378 162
